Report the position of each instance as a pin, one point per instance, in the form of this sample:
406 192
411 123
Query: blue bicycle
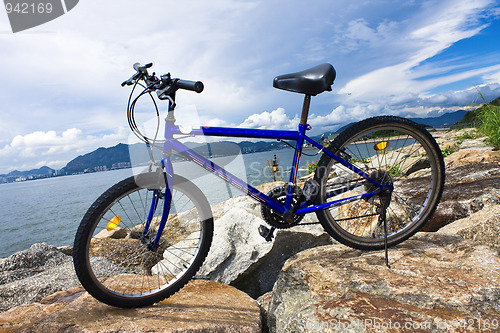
143 239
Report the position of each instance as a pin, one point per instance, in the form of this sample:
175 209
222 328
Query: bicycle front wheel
393 151
112 252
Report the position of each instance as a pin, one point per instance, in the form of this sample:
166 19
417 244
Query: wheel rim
394 150
120 261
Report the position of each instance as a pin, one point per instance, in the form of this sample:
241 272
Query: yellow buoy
381 145
113 223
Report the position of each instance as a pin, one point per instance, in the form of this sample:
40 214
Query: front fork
168 172
157 195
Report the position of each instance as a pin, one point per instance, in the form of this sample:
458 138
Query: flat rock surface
482 226
468 188
30 275
201 306
437 283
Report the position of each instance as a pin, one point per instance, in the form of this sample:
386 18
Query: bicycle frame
171 144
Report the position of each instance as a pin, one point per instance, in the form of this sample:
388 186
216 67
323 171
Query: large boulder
28 276
469 188
436 282
468 156
241 257
472 177
482 226
236 246
201 306
259 278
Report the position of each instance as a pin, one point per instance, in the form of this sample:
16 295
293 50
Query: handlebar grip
189 85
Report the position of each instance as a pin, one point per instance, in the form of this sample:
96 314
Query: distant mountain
343 128
102 159
120 155
43 171
446 119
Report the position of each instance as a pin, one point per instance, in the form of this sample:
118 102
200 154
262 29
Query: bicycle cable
131 117
317 153
150 143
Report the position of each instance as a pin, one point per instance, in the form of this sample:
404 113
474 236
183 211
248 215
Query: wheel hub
382 177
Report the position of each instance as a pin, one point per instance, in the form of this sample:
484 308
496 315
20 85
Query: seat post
305 109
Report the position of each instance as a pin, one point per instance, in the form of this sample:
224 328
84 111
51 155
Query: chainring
273 218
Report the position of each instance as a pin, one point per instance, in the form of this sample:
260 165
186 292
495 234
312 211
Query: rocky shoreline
303 281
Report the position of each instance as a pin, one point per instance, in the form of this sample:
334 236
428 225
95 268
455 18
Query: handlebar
166 83
196 86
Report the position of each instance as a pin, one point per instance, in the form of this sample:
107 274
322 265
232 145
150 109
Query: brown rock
469 188
116 233
462 157
483 227
436 282
478 143
67 249
266 187
201 306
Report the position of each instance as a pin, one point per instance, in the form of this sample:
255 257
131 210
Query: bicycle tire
116 267
415 158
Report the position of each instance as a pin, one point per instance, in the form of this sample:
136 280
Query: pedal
266 233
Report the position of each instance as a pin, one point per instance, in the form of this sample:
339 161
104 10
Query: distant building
101 168
120 165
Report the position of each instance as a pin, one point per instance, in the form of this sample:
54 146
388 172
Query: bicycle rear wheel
391 150
112 256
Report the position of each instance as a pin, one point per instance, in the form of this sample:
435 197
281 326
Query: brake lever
141 70
130 81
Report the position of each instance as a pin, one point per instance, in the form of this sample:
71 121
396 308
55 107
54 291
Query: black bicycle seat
312 81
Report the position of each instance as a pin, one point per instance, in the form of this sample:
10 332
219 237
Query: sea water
50 210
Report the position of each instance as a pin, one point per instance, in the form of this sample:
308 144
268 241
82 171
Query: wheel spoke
390 150
123 264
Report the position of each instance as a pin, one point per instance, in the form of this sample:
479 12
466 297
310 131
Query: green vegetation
394 170
490 121
447 151
467 135
362 160
311 167
471 134
486 119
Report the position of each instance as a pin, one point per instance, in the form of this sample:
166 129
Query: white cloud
337 116
65 75
410 104
42 139
56 150
273 120
438 30
492 77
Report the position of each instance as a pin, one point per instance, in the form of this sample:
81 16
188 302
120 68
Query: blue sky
61 93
